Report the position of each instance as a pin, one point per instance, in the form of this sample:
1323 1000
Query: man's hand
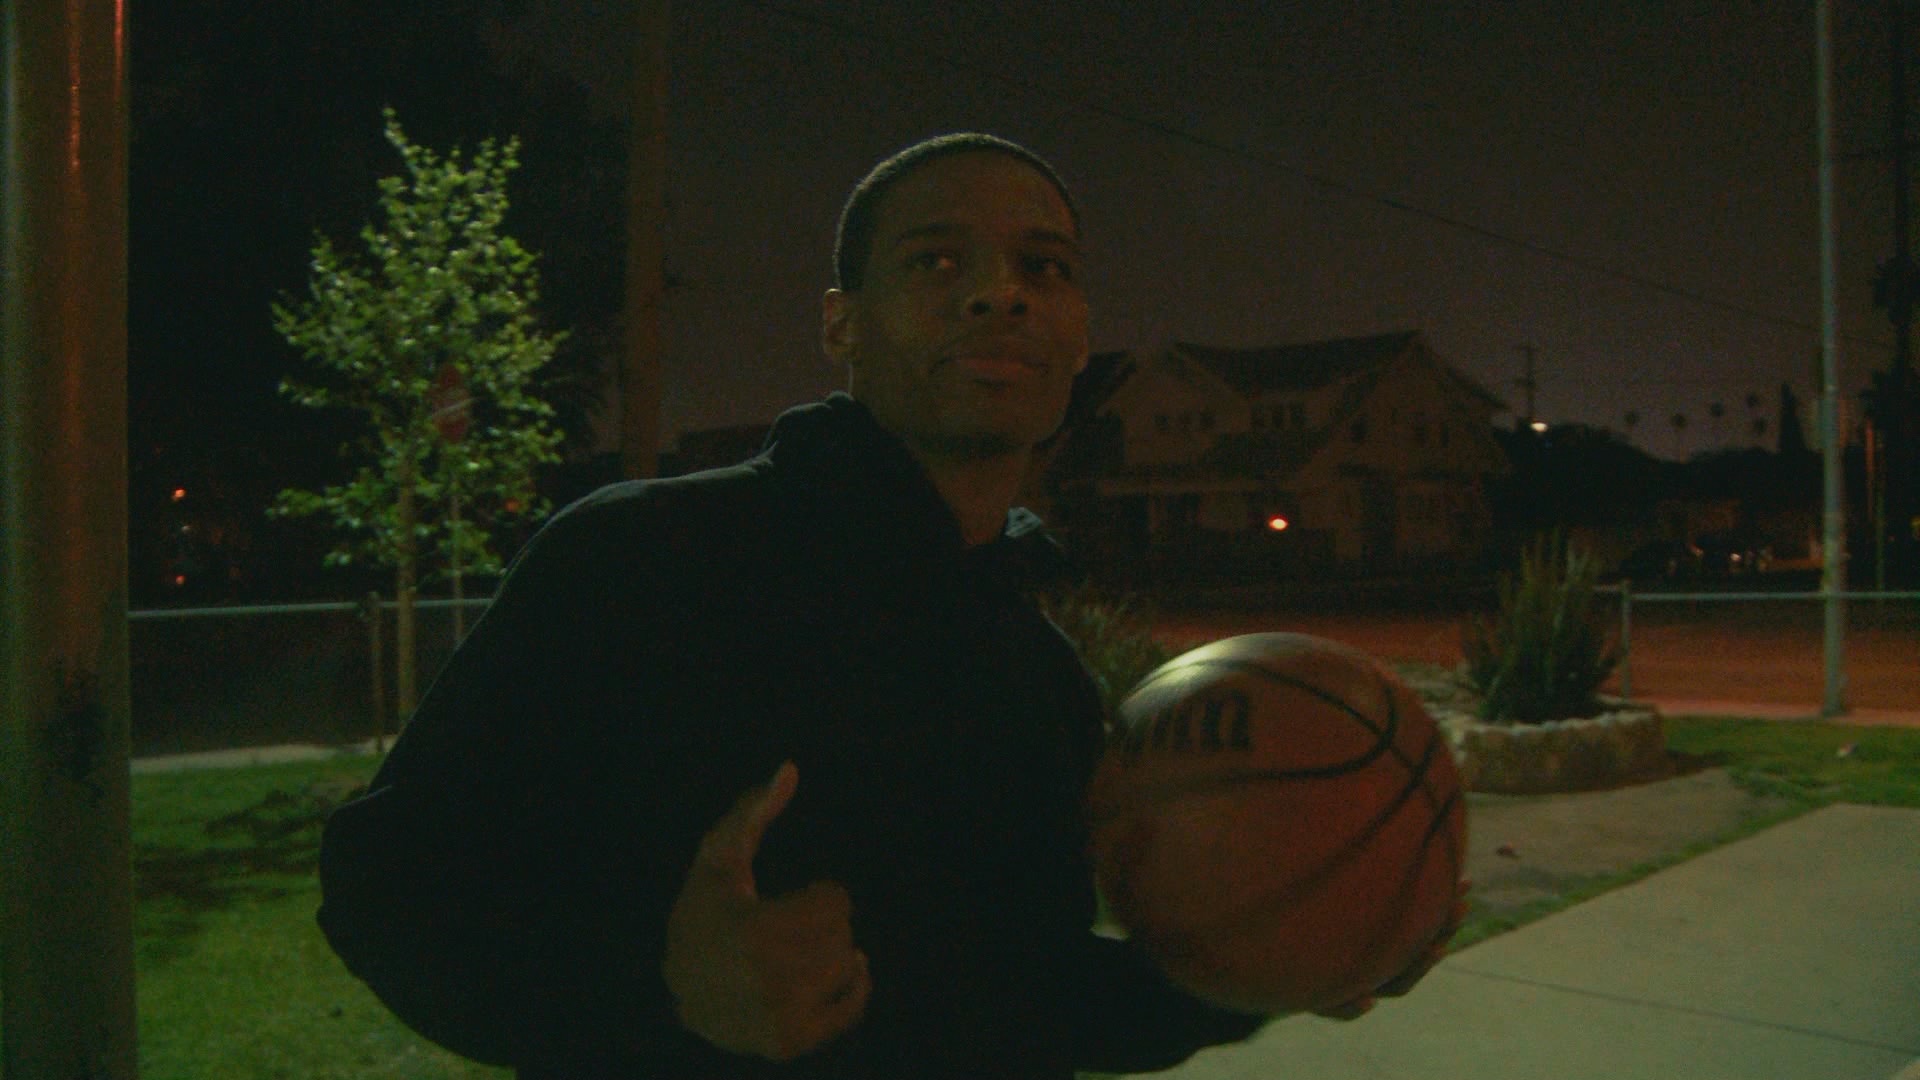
1405 981
774 977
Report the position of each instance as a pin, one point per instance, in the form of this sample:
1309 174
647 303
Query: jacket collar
867 487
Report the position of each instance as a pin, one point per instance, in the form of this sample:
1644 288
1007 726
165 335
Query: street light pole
1833 541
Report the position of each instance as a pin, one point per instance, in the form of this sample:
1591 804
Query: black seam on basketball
1218 779
1393 712
1354 846
1419 766
1263 905
1264 908
1384 735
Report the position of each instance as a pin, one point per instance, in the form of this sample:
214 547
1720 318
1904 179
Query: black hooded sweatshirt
659 648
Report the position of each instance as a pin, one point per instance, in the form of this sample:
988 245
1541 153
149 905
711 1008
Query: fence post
370 611
1626 639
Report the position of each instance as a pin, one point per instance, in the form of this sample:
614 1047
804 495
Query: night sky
1627 187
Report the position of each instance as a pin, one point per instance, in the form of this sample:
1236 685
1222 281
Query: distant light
1539 426
179 493
1278 523
179 579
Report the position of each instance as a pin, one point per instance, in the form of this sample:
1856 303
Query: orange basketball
1279 822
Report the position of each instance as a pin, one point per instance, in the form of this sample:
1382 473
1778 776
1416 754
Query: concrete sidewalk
248 756
1793 954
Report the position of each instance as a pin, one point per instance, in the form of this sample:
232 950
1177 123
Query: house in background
1363 452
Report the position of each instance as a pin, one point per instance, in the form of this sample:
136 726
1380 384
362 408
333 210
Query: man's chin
973 446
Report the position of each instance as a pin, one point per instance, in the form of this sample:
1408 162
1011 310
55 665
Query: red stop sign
452 405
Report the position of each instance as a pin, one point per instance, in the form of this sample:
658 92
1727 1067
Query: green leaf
429 287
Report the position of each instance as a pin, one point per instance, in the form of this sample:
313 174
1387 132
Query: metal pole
375 615
1626 639
1833 578
66 887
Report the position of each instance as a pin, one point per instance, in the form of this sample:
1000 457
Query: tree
433 338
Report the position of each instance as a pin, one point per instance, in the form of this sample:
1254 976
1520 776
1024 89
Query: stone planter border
1625 744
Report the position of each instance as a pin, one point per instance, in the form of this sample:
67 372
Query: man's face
970 323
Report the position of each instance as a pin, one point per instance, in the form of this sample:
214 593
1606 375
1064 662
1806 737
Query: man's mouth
996 367
1000 360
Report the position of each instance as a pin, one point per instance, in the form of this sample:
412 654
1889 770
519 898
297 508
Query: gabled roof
1096 383
1315 364
1306 366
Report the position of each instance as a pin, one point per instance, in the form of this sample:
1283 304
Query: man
775 770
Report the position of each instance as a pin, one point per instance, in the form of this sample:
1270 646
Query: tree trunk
459 592
403 581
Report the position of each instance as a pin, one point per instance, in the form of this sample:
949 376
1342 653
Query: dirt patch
1526 849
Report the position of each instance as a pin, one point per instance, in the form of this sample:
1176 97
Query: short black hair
853 242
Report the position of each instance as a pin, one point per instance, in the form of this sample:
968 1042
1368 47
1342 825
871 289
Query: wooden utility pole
1897 275
1530 383
1894 409
640 368
66 877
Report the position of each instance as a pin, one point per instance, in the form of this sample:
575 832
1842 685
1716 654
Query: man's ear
837 336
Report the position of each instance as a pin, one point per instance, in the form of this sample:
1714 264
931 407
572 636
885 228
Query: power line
1321 180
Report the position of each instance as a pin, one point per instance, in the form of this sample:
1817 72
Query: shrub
1544 656
1114 634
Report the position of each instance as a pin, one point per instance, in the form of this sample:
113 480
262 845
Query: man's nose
1002 290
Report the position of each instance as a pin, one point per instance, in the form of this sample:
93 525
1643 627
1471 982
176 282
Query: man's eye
1050 266
933 260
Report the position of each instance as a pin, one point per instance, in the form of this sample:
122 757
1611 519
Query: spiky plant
1114 634
1545 654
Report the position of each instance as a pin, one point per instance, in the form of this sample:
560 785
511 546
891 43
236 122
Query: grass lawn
1809 765
1815 763
234 978
236 983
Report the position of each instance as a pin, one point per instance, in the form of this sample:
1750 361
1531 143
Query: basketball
1278 821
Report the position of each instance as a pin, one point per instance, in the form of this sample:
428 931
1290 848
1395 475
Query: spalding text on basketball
1213 722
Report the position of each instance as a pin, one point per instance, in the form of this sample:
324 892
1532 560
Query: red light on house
179 493
1276 523
179 580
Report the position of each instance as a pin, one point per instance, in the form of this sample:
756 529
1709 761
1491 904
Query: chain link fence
1760 645
220 678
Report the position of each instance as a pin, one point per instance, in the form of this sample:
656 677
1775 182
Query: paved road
1769 654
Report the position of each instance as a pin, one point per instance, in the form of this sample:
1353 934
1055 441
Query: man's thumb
735 840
